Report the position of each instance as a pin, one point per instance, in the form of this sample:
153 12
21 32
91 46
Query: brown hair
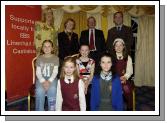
91 17
119 12
44 13
72 60
69 19
124 52
84 44
42 52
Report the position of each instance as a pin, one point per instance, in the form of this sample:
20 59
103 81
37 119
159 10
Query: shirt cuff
42 80
126 76
50 80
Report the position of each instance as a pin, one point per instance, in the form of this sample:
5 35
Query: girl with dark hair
123 66
106 92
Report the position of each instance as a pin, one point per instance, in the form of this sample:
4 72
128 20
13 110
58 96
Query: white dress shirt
119 27
59 99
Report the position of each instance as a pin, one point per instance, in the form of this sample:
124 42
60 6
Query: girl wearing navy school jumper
106 93
70 89
46 72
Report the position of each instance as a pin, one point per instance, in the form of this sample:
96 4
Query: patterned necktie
92 47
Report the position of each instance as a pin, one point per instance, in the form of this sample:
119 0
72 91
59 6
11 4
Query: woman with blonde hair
44 30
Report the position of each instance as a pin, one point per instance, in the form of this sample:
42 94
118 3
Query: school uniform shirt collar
69 80
106 77
119 55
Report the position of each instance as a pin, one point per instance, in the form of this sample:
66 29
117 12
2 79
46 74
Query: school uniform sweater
116 94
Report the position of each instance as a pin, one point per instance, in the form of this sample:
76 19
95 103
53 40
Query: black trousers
88 95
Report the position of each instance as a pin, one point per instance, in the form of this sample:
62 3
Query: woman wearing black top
68 40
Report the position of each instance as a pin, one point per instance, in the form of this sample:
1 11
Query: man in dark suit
119 31
94 38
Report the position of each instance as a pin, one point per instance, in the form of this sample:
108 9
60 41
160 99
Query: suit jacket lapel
87 36
96 35
123 27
